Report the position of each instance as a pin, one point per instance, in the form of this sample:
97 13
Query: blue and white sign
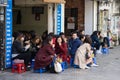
8 33
59 10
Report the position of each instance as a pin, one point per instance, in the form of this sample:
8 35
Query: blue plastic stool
64 65
76 66
41 70
32 63
105 50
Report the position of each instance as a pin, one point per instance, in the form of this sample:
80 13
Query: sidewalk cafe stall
40 20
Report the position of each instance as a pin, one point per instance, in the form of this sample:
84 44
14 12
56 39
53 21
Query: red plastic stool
18 67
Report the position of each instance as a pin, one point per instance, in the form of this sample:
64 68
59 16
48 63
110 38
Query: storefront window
104 18
1 14
103 21
3 1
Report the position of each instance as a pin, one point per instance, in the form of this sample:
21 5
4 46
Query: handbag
57 66
86 56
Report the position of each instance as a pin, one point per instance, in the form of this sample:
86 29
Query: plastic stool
32 63
64 65
18 67
76 66
41 70
105 50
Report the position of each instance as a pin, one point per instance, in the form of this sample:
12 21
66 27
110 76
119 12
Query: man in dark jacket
73 44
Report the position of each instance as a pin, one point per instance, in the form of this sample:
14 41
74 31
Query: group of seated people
28 45
25 46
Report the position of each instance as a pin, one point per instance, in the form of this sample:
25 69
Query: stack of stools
41 70
18 67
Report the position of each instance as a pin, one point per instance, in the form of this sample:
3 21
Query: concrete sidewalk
109 69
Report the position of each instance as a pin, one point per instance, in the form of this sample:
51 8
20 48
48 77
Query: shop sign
8 34
59 18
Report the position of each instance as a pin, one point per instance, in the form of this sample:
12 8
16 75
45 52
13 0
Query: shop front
74 16
50 15
109 20
26 15
116 21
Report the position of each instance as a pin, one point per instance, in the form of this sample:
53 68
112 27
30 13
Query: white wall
95 16
29 22
62 17
90 16
50 18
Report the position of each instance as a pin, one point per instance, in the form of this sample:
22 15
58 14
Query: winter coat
95 42
80 55
73 45
17 47
61 51
43 57
19 52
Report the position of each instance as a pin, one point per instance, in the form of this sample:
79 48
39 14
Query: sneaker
86 67
98 52
94 65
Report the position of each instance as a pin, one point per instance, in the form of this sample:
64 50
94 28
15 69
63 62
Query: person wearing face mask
19 51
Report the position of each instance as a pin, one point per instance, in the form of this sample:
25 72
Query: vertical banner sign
59 18
8 34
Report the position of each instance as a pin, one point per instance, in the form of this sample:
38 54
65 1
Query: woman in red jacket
61 48
45 55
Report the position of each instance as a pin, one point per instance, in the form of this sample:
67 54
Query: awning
54 1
